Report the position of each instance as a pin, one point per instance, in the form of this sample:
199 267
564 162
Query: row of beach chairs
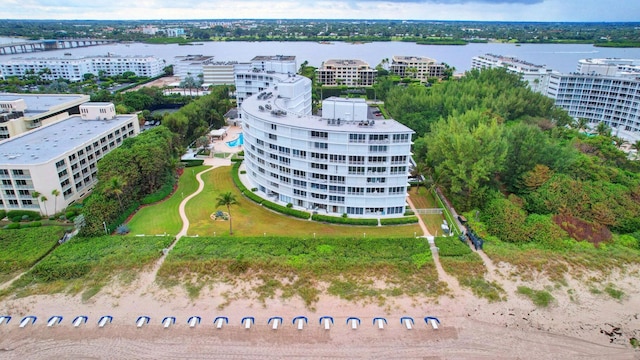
275 322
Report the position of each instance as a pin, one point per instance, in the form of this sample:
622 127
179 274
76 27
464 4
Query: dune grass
163 217
22 248
540 298
87 264
352 268
251 219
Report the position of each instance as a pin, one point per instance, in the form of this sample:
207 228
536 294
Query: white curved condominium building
342 164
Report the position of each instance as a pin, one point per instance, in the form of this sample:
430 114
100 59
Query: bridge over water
46 45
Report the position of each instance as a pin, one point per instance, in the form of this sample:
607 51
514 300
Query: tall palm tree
55 193
36 195
603 129
227 199
115 186
581 124
636 146
44 199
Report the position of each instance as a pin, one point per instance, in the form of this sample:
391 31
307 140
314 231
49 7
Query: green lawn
250 219
87 264
21 248
423 199
163 217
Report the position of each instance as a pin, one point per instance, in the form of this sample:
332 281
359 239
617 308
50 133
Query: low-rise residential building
190 65
74 69
346 72
416 67
218 72
20 113
61 156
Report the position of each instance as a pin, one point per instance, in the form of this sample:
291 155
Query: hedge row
451 246
17 225
344 221
399 221
192 163
162 193
285 210
19 215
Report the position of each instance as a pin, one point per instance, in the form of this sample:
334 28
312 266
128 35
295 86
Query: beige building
416 67
20 113
346 72
62 156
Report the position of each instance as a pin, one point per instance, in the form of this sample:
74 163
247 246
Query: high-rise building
535 75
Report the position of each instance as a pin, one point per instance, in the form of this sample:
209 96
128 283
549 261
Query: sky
481 10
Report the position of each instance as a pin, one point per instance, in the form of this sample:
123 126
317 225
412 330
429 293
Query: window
18 172
357 138
10 192
400 138
356 170
6 182
336 179
21 182
273 137
337 158
377 148
299 153
356 159
24 192
319 134
397 190
319 145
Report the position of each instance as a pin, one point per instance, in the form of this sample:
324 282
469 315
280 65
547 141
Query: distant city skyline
478 10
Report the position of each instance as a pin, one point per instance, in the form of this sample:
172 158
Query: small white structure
301 320
104 320
79 320
142 320
220 320
247 321
433 321
380 321
193 321
354 321
327 321
5 319
167 321
28 319
407 321
277 320
54 320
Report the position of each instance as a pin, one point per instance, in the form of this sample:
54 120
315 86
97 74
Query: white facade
324 164
417 67
345 109
614 100
20 113
219 72
346 72
190 65
536 76
610 67
74 69
62 156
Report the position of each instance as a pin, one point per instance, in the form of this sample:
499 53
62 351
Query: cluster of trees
199 116
138 168
445 32
492 144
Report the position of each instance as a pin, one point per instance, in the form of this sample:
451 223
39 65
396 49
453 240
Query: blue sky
484 10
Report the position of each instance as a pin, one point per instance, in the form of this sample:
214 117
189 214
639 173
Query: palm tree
636 146
115 186
227 199
581 124
44 199
36 195
56 193
603 129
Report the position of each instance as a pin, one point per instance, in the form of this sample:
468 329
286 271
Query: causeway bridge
46 45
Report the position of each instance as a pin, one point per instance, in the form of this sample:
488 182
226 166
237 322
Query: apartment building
340 163
20 113
190 65
611 99
346 72
218 72
62 156
535 75
73 69
416 67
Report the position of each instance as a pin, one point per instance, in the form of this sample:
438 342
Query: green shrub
30 224
399 221
255 198
344 221
19 214
48 271
3 214
12 226
161 194
192 162
284 210
451 246
539 297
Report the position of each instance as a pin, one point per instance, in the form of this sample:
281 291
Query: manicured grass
163 217
458 260
21 248
87 264
251 219
299 266
422 198
540 298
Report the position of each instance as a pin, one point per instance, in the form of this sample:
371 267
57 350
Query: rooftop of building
268 105
49 142
41 103
611 61
413 58
344 62
194 58
510 60
274 58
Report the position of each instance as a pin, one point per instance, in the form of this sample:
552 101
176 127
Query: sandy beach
579 324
